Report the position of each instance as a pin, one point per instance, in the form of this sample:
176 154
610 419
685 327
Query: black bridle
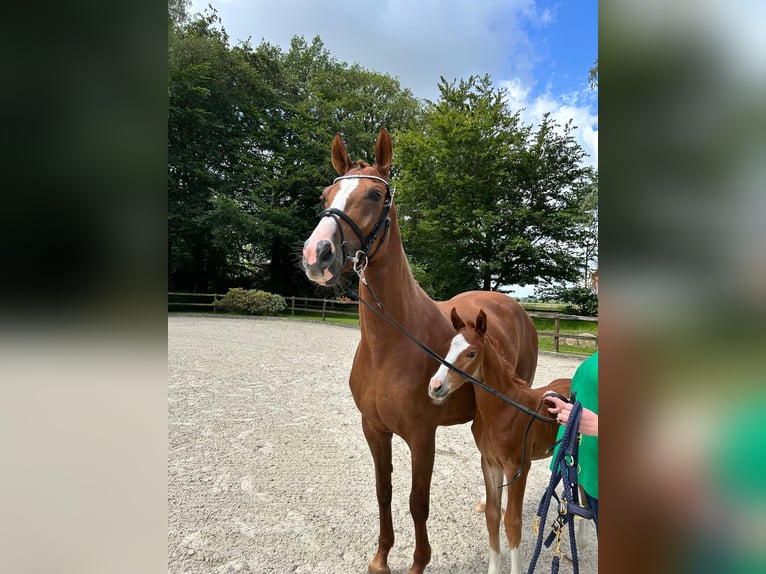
365 241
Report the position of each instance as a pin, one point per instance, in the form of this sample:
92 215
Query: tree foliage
581 300
249 133
487 201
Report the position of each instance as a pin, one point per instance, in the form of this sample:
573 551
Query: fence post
556 325
292 306
324 307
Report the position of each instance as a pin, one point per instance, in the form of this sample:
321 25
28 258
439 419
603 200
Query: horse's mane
507 368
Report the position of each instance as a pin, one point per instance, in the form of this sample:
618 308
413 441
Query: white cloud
417 42
575 106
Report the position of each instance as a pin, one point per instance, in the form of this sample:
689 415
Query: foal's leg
380 447
493 480
422 450
513 517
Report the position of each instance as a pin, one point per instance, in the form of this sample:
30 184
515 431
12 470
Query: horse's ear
481 322
383 151
457 322
340 158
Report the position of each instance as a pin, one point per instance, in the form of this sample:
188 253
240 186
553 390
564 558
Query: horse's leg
493 480
513 517
422 450
380 447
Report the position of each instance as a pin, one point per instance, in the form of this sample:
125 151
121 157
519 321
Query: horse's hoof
378 568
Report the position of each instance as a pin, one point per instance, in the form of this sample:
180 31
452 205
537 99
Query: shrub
250 302
580 300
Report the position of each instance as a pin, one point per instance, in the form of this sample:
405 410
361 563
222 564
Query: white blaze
457 346
327 226
347 186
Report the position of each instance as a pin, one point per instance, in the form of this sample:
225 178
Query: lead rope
565 469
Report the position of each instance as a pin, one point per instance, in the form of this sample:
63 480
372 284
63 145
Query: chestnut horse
508 439
390 373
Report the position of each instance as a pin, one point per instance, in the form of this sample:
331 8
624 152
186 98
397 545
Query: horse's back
508 323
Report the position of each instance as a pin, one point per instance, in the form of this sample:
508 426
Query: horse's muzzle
437 391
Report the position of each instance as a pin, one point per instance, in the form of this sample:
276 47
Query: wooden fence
347 307
556 334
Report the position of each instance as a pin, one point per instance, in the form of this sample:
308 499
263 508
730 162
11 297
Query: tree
485 201
581 300
593 75
249 134
219 99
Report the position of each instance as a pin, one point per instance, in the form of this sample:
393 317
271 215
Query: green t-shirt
585 385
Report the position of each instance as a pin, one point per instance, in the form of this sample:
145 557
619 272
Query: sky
539 52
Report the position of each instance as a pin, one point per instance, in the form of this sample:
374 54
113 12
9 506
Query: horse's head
356 216
465 352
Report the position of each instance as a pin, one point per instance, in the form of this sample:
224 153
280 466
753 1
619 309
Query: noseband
366 241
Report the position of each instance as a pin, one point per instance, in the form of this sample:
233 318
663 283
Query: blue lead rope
565 469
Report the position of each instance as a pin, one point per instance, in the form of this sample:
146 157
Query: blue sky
540 52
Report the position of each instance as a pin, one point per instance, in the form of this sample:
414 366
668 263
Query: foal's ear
481 322
340 158
383 151
457 322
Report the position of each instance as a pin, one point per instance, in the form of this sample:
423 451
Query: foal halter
366 241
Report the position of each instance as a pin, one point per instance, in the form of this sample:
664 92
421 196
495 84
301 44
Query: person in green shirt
585 386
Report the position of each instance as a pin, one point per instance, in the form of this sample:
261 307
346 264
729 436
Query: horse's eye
470 354
376 196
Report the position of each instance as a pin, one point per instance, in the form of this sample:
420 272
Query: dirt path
268 470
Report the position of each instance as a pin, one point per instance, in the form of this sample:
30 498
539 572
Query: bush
580 300
252 302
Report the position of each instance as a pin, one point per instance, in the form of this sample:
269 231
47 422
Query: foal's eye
470 354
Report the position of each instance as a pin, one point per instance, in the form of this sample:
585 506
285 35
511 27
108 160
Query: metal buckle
360 264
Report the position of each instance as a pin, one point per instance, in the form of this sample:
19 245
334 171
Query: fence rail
349 308
556 334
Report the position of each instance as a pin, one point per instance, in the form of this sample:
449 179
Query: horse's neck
389 277
499 374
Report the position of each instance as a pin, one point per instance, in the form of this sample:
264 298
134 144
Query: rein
389 318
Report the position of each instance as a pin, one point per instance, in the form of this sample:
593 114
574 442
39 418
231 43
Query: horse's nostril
324 252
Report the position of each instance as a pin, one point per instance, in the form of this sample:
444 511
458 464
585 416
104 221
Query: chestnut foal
506 437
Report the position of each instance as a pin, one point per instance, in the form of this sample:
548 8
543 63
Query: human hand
588 419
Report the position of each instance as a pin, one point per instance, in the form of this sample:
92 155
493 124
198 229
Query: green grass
545 307
565 326
329 317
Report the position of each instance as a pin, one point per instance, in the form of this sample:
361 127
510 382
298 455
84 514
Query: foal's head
465 352
356 211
